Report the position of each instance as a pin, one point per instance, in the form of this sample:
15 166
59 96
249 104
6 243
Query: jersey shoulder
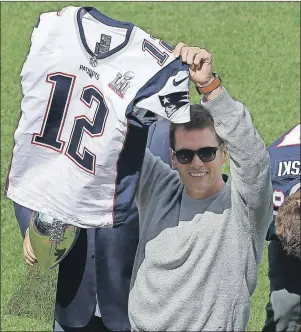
166 78
48 31
290 140
285 154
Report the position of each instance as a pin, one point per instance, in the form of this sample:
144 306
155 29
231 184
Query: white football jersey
91 86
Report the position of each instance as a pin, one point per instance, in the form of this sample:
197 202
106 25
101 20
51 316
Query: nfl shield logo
93 61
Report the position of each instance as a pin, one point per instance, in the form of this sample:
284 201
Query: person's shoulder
289 142
285 154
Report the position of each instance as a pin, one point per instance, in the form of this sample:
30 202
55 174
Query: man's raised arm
249 159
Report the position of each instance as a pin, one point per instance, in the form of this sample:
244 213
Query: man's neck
196 194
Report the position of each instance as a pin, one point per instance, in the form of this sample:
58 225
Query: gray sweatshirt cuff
221 105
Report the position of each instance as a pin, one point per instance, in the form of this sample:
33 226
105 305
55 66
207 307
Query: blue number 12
55 115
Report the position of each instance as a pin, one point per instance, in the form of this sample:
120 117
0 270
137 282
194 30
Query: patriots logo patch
173 101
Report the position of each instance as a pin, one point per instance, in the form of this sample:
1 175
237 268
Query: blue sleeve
23 215
166 93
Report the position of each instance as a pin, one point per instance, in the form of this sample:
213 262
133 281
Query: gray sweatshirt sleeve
155 176
251 187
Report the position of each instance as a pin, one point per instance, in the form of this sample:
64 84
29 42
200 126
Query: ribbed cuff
222 104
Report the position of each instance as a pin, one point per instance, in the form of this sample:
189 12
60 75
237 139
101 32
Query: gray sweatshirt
196 264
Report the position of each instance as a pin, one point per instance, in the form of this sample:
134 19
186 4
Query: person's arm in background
23 215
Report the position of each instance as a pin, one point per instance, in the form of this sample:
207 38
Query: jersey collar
107 21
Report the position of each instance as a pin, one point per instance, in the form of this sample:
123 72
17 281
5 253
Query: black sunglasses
185 156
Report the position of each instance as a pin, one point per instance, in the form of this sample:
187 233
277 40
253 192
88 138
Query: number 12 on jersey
57 108
55 115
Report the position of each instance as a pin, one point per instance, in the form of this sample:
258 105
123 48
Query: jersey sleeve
46 35
167 93
45 32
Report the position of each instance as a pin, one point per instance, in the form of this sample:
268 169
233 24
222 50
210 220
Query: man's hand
199 62
200 67
29 256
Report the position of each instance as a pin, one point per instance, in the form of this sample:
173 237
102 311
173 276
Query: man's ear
225 154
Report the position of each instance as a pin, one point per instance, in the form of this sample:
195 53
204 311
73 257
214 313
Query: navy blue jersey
285 162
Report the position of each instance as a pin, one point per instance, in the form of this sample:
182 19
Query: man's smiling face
201 179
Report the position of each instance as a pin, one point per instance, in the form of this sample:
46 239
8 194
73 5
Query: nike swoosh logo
176 83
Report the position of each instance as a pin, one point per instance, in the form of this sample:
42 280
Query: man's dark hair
288 225
200 118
